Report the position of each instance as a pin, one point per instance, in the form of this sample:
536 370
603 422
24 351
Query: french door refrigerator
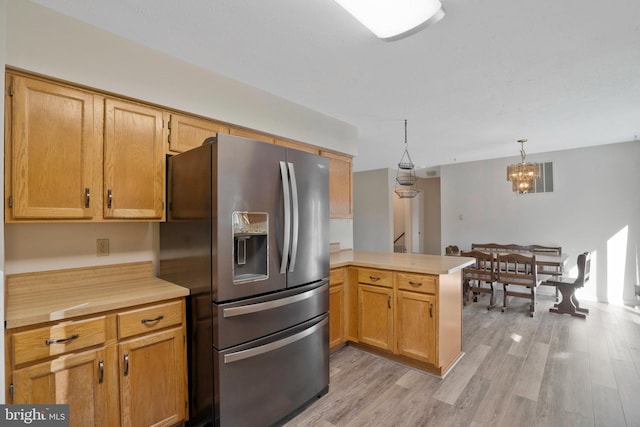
247 231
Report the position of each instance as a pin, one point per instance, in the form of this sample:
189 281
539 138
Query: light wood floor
550 370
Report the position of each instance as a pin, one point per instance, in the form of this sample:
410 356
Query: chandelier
522 175
406 176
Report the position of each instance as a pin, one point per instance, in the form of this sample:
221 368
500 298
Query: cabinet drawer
375 277
336 276
417 282
149 319
64 337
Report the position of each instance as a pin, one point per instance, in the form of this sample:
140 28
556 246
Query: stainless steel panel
283 372
252 318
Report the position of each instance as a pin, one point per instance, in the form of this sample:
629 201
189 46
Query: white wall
431 232
373 210
595 206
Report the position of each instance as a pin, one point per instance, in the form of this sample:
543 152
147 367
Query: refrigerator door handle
256 351
287 218
294 203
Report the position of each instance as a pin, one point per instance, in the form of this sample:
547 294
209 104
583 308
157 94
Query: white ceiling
563 73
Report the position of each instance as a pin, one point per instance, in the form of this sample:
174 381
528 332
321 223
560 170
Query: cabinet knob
87 197
430 309
374 278
415 284
389 301
109 199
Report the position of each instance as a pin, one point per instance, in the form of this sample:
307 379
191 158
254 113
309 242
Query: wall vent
544 183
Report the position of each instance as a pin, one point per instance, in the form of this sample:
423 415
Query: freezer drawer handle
268 305
256 351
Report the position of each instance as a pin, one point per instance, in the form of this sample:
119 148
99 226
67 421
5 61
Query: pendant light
406 176
522 175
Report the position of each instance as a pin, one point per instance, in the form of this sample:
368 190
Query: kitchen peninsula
407 307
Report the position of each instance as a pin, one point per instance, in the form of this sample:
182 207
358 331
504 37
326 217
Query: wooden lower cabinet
336 316
376 316
132 372
77 380
152 382
415 326
414 318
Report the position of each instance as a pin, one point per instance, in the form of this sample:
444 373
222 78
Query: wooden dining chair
552 270
567 286
452 250
517 269
474 276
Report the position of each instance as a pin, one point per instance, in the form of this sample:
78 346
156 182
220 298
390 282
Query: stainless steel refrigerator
247 231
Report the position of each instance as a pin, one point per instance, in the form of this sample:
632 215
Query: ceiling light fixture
406 176
394 19
522 175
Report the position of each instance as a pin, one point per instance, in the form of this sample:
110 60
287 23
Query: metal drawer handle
256 351
268 305
374 278
415 284
143 321
126 364
61 340
101 370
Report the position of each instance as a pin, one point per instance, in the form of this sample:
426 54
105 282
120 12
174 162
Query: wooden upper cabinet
186 132
251 134
134 161
340 185
53 152
297 146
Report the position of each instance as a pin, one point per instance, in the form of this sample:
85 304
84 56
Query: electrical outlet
102 247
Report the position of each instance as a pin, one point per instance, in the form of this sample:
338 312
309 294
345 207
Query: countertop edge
377 260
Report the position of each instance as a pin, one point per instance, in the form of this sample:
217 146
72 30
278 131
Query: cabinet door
152 379
134 161
76 380
340 185
415 317
54 152
187 132
336 315
376 316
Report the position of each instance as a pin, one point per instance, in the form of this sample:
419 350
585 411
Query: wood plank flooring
550 370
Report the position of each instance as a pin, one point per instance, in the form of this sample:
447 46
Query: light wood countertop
61 294
413 263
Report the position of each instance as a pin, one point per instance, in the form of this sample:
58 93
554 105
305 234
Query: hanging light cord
522 153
